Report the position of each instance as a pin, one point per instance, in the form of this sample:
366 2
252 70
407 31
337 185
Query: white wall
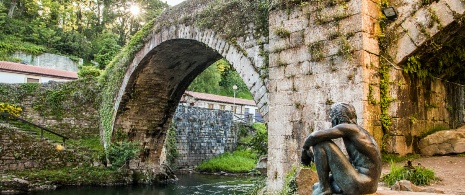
8 77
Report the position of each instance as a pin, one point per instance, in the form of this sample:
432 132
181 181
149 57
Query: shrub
120 153
11 109
236 162
260 140
418 176
89 72
394 158
290 183
171 148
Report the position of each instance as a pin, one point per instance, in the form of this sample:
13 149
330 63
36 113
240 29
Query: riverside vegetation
253 142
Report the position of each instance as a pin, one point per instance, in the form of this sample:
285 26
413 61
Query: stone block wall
69 108
320 53
22 151
419 106
202 134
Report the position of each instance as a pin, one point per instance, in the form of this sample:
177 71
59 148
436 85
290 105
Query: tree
207 81
219 79
106 47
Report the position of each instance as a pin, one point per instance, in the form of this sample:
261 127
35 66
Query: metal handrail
42 129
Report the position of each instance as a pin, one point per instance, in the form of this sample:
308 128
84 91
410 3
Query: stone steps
37 136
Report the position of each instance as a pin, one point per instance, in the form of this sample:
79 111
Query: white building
243 109
11 72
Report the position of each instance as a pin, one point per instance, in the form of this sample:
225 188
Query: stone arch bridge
297 58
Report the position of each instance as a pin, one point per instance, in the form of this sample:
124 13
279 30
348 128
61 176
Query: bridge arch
158 75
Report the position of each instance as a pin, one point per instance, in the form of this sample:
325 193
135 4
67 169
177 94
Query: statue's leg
329 158
323 169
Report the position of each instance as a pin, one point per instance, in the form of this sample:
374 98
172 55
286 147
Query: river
187 184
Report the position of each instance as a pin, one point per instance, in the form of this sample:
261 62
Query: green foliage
414 66
418 176
71 176
120 153
207 82
290 184
89 146
86 72
64 27
395 158
345 49
316 51
386 99
171 147
259 184
10 44
236 162
113 75
106 48
259 142
282 32
219 78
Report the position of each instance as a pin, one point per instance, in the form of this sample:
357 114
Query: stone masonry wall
48 60
68 108
202 134
22 151
321 52
420 106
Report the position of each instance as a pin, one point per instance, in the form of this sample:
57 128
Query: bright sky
173 2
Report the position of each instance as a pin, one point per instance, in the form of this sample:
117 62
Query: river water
187 184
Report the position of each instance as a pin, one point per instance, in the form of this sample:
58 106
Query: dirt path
450 169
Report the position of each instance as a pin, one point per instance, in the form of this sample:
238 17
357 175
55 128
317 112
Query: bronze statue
356 174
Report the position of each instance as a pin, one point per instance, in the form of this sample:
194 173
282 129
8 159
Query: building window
210 106
222 107
234 109
32 80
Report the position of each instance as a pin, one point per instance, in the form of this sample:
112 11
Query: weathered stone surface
202 134
49 60
443 142
405 185
305 179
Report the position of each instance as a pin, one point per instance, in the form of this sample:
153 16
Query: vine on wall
111 79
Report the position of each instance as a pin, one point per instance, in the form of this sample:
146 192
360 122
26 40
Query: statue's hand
306 157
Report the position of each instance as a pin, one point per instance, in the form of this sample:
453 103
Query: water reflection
187 184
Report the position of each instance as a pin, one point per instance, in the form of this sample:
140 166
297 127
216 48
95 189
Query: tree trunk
12 8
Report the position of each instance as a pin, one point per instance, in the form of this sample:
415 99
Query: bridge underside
153 92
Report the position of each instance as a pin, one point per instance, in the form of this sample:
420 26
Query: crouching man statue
357 174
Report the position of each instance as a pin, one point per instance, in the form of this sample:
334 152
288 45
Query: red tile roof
28 69
218 98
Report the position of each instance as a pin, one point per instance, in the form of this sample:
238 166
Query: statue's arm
338 131
323 135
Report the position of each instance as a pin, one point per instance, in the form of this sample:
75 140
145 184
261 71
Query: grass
419 176
73 176
395 158
237 162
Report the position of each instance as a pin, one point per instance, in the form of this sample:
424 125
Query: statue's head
343 113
